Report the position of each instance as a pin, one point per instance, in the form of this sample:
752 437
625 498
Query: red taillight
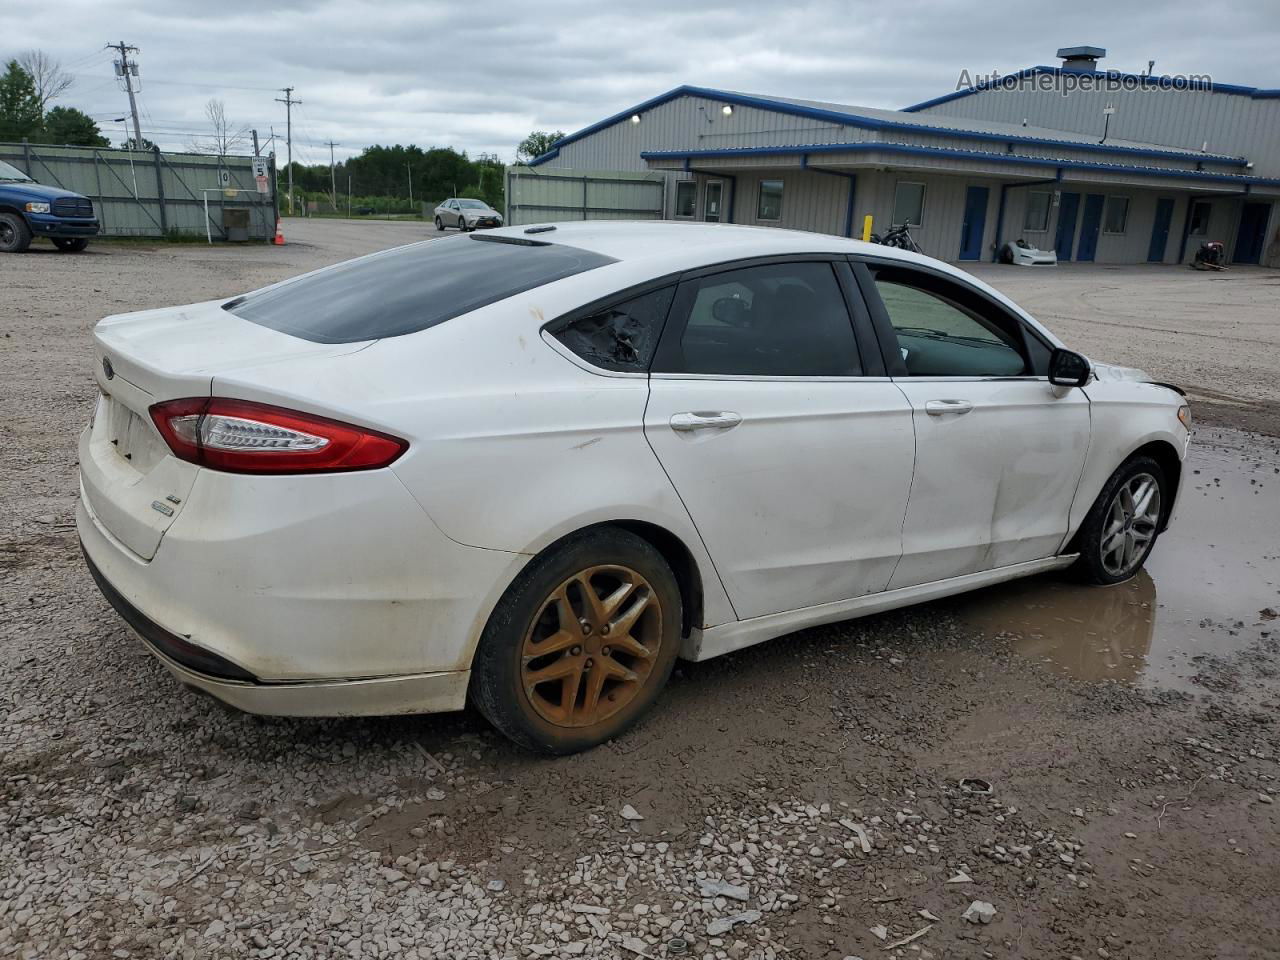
241 436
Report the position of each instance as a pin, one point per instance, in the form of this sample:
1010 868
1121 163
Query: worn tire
70 244
1090 566
439 224
497 684
15 235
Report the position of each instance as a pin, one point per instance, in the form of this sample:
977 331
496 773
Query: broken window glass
620 337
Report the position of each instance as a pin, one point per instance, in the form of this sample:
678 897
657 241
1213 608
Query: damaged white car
530 468
1022 254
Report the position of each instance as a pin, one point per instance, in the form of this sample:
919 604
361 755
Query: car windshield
411 288
10 172
473 204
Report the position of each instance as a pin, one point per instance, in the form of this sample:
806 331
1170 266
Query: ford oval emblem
108 370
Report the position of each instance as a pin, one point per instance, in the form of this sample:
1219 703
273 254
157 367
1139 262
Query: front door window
711 201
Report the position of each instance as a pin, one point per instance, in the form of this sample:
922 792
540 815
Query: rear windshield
408 289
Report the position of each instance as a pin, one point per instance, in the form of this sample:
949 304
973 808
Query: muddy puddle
1202 595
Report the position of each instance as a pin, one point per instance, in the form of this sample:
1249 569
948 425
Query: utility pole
409 167
256 152
333 177
129 69
288 102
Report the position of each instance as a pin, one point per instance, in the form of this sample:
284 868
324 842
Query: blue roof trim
1168 83
871 123
871 146
549 155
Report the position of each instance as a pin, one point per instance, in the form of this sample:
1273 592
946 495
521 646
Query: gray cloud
480 76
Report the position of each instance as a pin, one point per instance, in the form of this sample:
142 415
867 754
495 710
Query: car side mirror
1068 369
731 311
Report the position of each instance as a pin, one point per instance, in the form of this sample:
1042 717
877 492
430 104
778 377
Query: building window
769 203
908 204
1200 218
686 198
1115 215
1036 218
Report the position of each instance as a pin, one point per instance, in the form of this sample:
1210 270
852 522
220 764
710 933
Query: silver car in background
466 214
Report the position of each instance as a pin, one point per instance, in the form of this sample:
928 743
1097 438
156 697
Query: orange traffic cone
279 240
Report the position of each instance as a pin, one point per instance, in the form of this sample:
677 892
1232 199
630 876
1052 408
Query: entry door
1160 230
999 451
711 200
1252 235
1090 224
975 223
794 466
1068 205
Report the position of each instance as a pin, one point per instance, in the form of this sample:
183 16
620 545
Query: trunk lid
132 484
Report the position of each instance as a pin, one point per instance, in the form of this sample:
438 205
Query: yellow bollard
866 228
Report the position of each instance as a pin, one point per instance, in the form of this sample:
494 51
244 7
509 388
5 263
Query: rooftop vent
1081 58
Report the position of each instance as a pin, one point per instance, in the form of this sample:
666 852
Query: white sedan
530 468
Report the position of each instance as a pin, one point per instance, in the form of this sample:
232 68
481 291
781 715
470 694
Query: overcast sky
480 75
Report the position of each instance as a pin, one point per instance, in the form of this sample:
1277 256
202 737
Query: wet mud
1209 589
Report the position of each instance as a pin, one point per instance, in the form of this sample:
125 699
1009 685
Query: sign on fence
260 174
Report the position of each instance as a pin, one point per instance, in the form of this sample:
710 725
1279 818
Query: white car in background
531 467
466 214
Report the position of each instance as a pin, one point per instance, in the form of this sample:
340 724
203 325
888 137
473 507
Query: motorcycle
899 237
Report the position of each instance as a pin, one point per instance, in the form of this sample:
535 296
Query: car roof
668 246
691 245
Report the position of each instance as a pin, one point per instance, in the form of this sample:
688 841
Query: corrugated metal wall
1231 124
542 194
146 193
818 202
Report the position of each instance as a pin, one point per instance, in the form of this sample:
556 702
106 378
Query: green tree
19 105
536 144
132 144
67 125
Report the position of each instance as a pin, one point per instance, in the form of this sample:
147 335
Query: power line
333 182
128 70
288 102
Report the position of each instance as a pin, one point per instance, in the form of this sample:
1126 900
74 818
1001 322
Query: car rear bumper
206 671
44 225
326 595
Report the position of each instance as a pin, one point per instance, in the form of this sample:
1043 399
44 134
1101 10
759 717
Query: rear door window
772 320
411 288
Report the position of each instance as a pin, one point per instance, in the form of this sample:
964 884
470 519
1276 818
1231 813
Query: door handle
940 408
687 422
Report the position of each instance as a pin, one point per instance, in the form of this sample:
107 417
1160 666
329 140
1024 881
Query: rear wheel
580 645
15 235
1122 525
70 244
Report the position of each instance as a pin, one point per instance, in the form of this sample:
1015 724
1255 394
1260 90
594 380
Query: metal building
1099 165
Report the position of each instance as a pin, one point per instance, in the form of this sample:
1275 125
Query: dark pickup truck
29 209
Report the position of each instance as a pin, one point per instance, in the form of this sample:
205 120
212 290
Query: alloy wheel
1132 521
592 646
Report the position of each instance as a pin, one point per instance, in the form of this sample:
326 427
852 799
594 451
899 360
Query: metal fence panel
536 197
147 193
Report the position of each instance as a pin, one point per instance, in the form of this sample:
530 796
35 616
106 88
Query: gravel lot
802 799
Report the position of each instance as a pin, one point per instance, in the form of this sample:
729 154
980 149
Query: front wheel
1122 525
580 645
15 235
439 224
70 244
